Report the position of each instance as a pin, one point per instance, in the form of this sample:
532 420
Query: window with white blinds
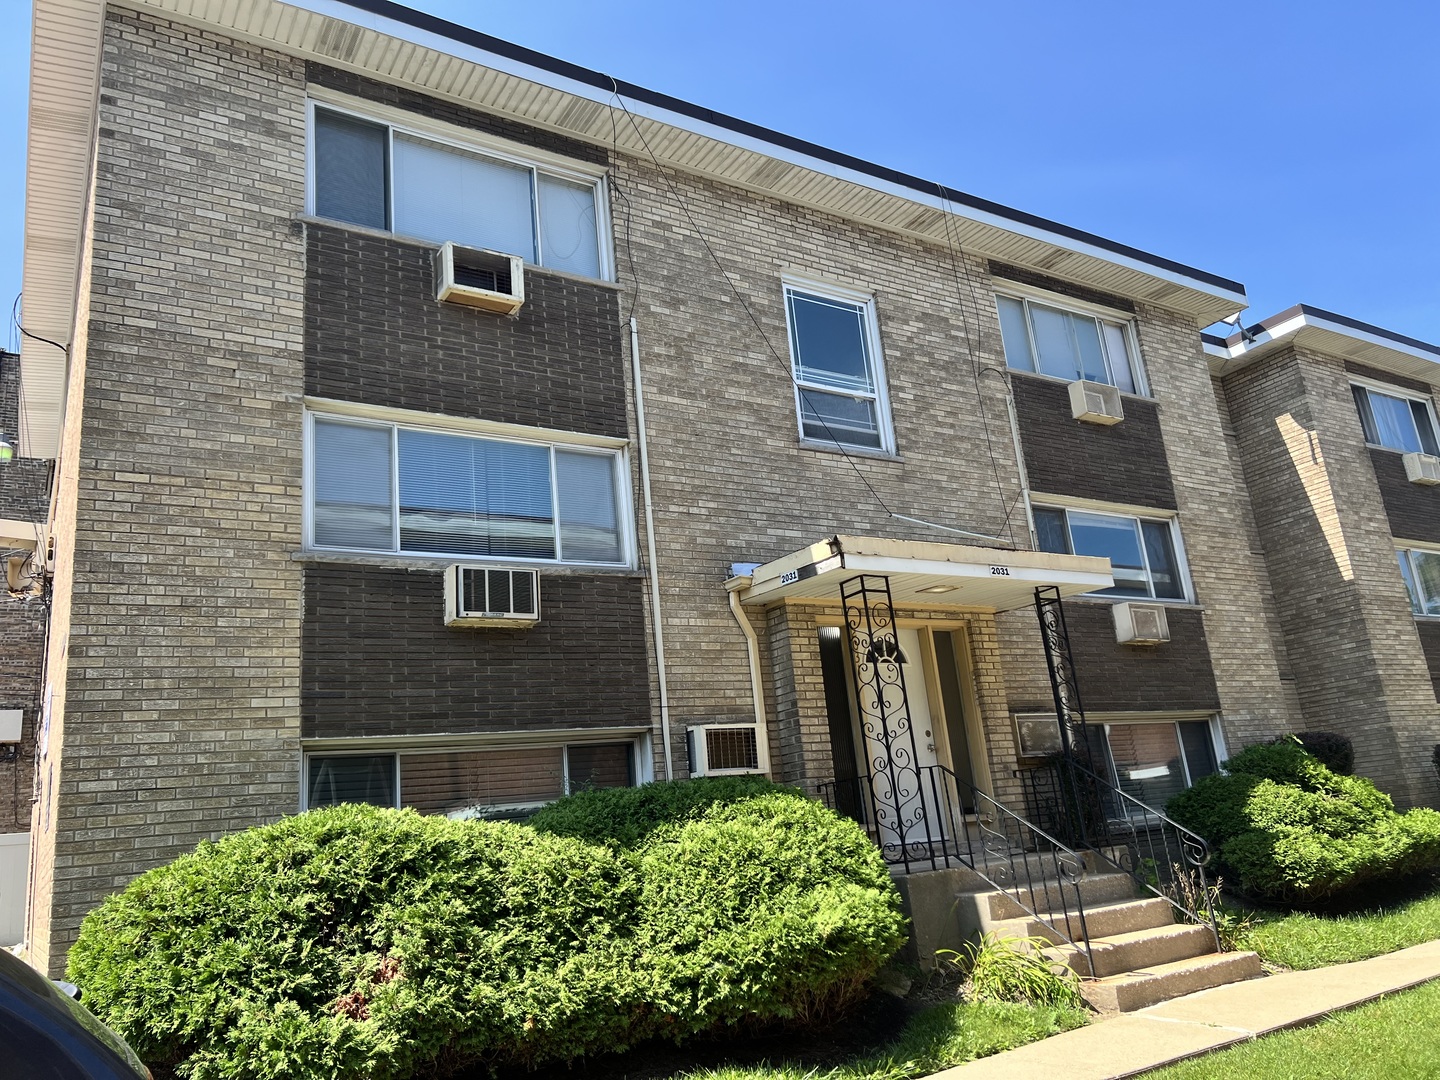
383 177
391 488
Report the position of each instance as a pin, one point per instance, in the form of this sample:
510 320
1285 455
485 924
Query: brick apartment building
321 534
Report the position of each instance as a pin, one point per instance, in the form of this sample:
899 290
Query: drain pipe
752 649
659 627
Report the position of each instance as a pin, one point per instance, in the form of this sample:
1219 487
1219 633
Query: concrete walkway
1134 1043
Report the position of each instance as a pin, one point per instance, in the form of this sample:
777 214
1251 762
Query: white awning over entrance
925 574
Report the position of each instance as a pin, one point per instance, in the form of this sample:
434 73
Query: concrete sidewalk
1134 1043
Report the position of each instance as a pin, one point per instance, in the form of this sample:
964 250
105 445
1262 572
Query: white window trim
1167 517
1404 394
866 301
461 139
396 419
1126 319
400 746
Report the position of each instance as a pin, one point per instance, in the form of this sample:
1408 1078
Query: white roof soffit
395 44
925 575
64 66
1329 333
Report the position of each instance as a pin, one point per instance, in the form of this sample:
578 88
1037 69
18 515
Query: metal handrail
906 828
1128 822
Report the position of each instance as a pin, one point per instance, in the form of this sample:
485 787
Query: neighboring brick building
24 502
779 369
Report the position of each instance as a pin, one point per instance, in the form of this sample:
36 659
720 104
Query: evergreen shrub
359 942
1287 829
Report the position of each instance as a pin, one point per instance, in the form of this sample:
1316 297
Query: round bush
1285 828
357 942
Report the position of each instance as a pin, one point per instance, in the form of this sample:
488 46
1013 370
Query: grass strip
1301 941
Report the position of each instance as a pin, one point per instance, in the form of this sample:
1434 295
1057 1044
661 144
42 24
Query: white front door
909 791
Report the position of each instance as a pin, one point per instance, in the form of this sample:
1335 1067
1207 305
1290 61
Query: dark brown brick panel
1113 677
1413 510
1430 642
377 658
1123 462
375 333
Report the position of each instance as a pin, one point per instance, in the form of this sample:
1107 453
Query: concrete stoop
1141 955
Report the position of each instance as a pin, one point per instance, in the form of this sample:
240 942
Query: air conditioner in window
490 280
482 596
716 749
1422 468
1141 624
1095 403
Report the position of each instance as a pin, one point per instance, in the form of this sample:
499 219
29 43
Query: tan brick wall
1356 656
177 705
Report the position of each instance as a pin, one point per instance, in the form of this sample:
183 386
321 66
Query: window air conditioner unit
1095 403
481 596
489 280
1141 624
716 749
1422 468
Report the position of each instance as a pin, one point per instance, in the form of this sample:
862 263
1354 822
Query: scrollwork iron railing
1161 856
1034 869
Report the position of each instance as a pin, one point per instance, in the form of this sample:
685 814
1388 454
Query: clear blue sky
1292 146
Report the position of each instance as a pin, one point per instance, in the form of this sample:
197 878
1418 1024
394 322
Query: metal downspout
752 649
653 565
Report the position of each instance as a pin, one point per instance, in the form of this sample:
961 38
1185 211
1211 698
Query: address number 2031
999 571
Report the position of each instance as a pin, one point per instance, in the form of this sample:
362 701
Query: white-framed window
837 368
475 783
418 184
1421 570
392 487
1396 419
1068 343
1145 553
1154 759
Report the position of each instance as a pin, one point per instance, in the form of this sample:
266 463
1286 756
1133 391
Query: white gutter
752 649
654 566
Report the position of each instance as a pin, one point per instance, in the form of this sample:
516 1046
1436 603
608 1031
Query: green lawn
1390 1039
938 1038
1309 941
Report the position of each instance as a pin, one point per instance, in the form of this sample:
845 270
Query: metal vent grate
486 592
731 748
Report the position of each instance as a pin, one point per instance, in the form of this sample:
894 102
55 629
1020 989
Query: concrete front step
1102 920
1161 982
1047 895
1138 950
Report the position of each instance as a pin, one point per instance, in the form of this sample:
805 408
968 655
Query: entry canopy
925 574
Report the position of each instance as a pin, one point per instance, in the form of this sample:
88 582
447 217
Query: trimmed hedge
357 942
1286 828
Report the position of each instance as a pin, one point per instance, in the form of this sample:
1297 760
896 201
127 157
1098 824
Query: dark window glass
1050 531
1164 573
350 170
606 765
352 779
1199 749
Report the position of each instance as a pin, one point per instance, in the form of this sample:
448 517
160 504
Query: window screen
350 169
352 496
605 765
589 516
443 194
568 227
481 783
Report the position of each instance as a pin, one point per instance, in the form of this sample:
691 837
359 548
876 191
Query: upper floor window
1421 571
835 358
1069 344
395 489
383 177
1144 555
1396 420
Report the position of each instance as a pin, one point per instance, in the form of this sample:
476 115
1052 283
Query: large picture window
388 487
1068 344
1396 420
1143 553
383 177
835 357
